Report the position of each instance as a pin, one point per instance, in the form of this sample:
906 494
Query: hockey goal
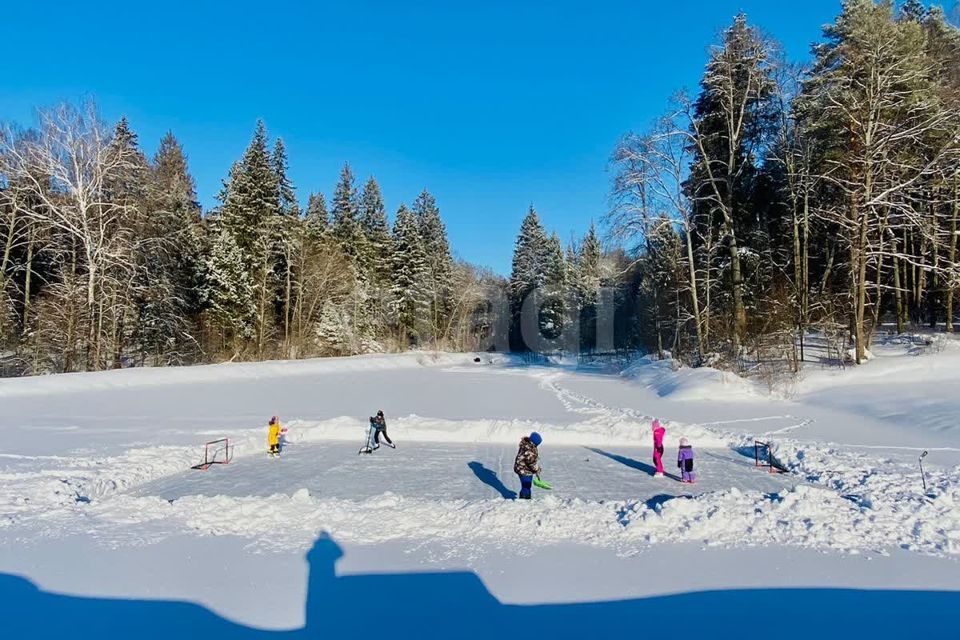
763 457
215 452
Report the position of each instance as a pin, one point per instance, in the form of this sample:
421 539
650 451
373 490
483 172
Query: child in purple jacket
685 462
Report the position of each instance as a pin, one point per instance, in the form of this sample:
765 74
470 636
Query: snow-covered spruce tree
120 292
171 262
375 249
287 243
345 212
376 230
439 260
316 217
589 267
553 311
528 273
588 279
250 213
661 277
231 296
410 297
286 194
332 335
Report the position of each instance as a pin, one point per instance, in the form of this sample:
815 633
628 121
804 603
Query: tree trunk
8 247
897 291
694 295
739 311
950 288
262 309
28 281
860 279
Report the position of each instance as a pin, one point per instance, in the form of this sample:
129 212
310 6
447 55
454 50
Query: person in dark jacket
527 463
382 430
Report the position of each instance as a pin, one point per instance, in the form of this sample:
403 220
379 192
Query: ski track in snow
834 499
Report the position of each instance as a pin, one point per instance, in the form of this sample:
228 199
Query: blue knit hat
536 438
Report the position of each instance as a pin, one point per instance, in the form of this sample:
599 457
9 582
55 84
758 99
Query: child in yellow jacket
273 437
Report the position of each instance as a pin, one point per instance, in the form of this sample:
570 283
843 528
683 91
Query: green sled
537 482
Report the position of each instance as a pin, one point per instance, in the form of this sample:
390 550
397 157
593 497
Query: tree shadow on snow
648 469
491 479
458 605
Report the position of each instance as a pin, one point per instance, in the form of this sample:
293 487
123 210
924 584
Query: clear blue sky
492 106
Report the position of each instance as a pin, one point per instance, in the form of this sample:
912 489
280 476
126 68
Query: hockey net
215 452
763 457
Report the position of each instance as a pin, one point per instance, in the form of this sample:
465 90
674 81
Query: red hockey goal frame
763 458
215 452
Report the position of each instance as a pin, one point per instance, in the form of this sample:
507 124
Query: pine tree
376 230
589 273
287 241
231 296
587 282
123 202
251 198
528 273
171 258
439 259
731 121
286 197
251 214
528 270
914 11
317 219
661 277
345 213
410 298
331 333
553 313
126 184
876 116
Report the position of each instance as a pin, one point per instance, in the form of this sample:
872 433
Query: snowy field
105 531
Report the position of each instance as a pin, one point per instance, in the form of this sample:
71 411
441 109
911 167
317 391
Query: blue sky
491 105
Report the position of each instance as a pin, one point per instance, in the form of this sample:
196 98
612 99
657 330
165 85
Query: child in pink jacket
658 433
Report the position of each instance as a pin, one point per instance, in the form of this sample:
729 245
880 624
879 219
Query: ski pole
922 477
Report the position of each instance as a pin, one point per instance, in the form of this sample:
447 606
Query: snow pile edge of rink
805 516
136 377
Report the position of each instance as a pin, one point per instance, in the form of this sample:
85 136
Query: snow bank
600 430
198 374
670 379
809 517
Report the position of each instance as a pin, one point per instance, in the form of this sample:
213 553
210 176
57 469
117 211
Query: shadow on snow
458 605
648 469
491 479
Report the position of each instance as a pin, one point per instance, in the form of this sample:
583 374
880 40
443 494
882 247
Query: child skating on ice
273 437
685 462
658 433
382 430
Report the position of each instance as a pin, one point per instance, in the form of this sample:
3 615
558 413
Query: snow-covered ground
100 510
